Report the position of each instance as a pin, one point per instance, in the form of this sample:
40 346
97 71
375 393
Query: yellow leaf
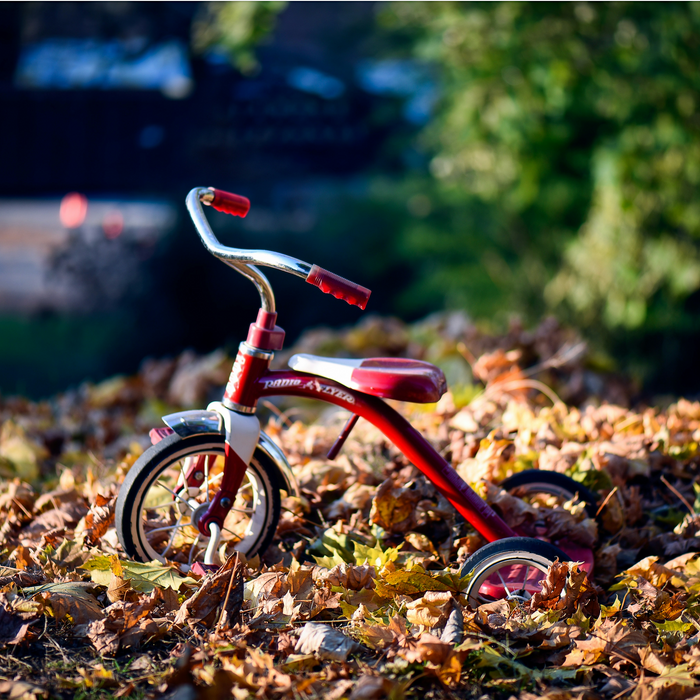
430 610
407 582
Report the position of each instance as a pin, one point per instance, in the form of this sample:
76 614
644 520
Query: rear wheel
156 512
549 489
511 569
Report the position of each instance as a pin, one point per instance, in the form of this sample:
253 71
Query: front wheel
511 569
156 511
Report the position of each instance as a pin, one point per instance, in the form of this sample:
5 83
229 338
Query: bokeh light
73 210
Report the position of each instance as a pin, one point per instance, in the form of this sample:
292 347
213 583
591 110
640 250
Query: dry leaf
371 688
13 624
203 605
97 520
394 507
350 576
72 600
454 627
325 642
431 610
22 690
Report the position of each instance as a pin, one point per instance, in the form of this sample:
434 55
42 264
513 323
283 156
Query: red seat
387 377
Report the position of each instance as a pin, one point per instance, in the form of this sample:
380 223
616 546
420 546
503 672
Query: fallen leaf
143 577
454 627
97 520
431 610
325 642
70 599
348 576
394 507
202 606
22 690
13 624
371 688
407 582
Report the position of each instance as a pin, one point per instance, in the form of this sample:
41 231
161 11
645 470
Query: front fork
242 435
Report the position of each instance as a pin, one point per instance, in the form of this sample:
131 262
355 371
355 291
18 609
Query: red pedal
203 569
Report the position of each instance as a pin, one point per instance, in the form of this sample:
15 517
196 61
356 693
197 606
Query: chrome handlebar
243 261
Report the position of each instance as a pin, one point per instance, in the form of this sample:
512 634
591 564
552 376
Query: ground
360 594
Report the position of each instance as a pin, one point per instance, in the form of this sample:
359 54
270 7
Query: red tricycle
212 479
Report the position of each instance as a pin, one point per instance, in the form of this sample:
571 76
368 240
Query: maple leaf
266 585
375 556
565 588
515 511
375 636
550 596
348 576
609 638
143 577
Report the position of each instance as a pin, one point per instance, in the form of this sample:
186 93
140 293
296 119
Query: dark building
106 97
108 100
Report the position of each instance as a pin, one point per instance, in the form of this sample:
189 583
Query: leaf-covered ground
359 596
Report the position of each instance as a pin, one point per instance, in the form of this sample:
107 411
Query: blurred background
505 160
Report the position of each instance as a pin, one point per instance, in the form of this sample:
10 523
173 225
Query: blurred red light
73 210
113 224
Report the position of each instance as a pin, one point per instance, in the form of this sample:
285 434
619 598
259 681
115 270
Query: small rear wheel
546 488
510 569
156 511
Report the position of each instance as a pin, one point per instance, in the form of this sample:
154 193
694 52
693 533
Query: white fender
242 430
188 423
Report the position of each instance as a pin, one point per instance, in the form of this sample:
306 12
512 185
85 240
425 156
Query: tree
564 159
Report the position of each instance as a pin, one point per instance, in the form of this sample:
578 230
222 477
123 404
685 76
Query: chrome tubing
243 261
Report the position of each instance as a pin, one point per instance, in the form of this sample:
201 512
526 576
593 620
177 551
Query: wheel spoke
242 510
179 498
172 537
183 471
169 504
163 529
505 586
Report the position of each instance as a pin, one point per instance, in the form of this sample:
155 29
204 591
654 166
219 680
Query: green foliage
558 173
564 160
236 28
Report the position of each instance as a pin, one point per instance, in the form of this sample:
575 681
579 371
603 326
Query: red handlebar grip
230 203
338 286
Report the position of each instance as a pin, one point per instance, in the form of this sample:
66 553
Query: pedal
203 569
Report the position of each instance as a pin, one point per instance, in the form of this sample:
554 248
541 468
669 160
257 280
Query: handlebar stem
243 261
